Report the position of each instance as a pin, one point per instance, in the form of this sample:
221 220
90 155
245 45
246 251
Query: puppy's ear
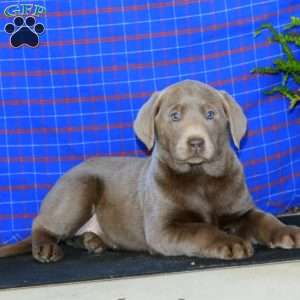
144 122
237 119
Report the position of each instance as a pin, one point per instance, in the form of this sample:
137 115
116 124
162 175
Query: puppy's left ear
237 119
145 121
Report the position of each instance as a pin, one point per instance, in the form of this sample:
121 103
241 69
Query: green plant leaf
288 66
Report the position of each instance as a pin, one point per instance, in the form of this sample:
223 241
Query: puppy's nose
196 143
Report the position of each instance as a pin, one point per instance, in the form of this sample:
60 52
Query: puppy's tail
18 248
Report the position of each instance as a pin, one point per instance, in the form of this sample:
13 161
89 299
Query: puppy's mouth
192 156
193 160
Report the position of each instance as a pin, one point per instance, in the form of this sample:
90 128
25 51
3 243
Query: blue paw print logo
24 31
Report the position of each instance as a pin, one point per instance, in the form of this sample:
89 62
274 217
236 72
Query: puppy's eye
210 115
175 116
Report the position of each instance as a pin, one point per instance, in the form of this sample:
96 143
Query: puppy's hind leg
45 248
89 241
66 208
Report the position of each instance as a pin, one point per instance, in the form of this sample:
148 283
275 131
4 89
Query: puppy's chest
211 199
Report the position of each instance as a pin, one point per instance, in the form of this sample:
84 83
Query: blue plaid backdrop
77 94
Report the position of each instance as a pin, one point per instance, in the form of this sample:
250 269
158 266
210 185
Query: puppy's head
189 122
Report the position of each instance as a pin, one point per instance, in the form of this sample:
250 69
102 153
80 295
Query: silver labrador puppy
188 198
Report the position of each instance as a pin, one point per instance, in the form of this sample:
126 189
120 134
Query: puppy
188 198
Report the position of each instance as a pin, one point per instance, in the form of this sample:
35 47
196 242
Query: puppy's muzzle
196 144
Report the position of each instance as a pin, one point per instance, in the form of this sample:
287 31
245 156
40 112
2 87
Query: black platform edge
78 265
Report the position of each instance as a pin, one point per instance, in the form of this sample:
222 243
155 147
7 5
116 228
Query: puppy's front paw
286 237
231 248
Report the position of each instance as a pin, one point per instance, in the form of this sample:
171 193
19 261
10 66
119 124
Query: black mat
79 266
